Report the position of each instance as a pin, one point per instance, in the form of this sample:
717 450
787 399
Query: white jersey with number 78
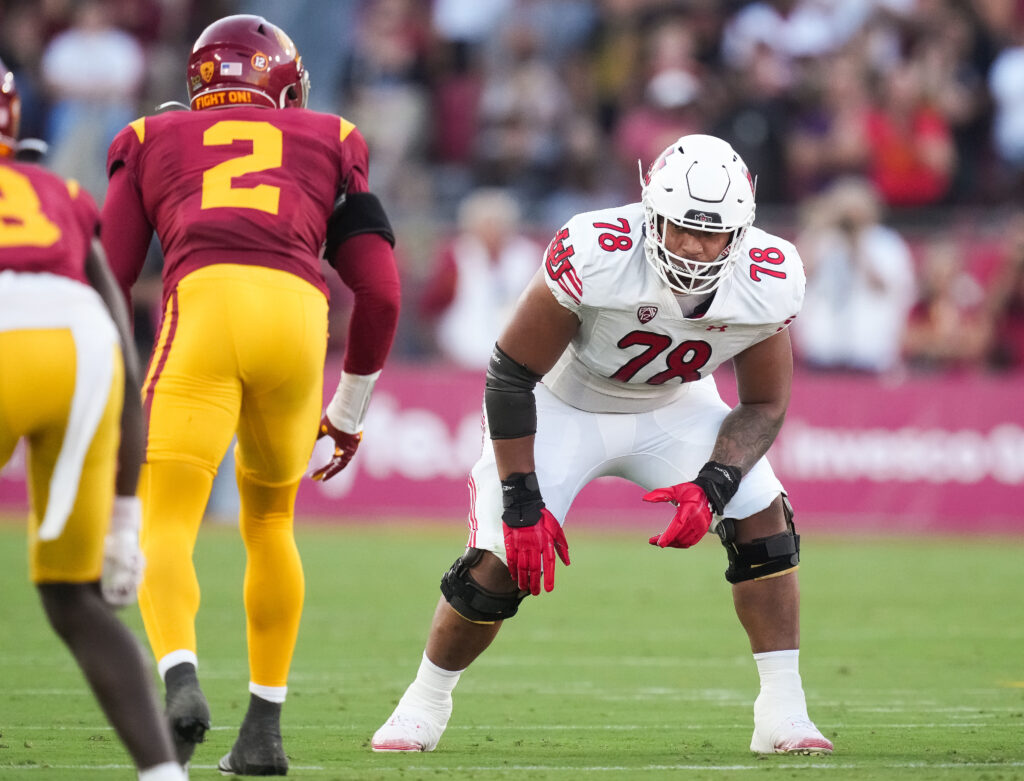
635 350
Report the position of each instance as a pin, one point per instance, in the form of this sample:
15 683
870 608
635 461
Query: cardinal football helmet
10 112
244 59
698 182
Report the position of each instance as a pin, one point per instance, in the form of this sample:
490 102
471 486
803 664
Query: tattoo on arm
746 434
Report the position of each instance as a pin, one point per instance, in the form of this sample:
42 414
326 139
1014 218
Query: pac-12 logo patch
260 61
646 313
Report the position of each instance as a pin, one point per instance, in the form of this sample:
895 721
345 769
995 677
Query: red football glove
345 446
692 519
529 549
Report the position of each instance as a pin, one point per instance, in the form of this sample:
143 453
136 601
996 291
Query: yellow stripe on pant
241 349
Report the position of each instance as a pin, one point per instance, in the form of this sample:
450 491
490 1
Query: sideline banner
927 454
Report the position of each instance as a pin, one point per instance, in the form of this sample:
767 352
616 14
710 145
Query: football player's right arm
536 336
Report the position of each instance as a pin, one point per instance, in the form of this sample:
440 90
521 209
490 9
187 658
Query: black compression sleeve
508 398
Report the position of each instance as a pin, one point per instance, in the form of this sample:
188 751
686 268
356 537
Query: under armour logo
646 313
718 328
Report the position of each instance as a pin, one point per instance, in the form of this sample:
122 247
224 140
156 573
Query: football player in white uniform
605 368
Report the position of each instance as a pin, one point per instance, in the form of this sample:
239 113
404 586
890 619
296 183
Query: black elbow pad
508 397
356 213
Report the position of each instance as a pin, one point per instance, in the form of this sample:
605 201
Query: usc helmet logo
206 70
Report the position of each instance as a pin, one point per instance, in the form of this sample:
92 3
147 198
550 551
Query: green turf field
633 668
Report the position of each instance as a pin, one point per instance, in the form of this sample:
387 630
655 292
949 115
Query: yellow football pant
37 384
241 350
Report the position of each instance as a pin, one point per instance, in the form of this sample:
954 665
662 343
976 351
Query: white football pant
653 449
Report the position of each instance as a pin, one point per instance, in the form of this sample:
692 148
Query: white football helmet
697 182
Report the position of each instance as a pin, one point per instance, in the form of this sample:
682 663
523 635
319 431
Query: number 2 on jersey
267 145
22 222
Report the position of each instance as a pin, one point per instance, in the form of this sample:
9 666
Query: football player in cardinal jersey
69 385
245 191
605 368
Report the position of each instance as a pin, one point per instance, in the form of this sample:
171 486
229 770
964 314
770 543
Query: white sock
432 689
772 663
269 693
174 658
166 771
780 679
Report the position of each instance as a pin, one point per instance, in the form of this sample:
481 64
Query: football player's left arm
363 257
123 562
130 454
764 377
764 380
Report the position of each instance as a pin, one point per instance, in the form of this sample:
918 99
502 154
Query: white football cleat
795 735
408 730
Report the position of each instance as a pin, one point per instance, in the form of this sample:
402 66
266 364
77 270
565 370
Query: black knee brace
471 600
764 556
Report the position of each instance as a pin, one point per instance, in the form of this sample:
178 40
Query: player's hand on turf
532 535
345 446
123 562
692 519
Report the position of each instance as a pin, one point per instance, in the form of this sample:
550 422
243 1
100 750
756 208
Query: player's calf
477 609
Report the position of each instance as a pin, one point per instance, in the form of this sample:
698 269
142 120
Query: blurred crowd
887 137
